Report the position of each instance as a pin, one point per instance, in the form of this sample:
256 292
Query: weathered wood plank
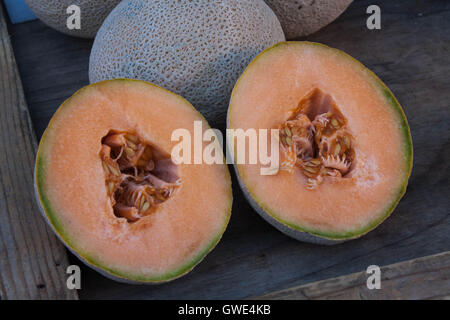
422 278
410 54
32 261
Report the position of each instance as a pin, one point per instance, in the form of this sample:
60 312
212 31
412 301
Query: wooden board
422 278
32 261
411 53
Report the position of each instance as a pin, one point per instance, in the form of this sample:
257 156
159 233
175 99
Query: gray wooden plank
410 53
32 261
421 278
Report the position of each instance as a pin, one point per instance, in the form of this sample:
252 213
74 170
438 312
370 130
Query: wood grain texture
32 261
411 53
422 278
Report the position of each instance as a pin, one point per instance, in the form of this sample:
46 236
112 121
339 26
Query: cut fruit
345 145
107 185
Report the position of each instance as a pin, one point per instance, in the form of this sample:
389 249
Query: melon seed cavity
138 177
315 138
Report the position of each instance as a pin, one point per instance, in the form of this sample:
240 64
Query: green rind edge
408 145
53 221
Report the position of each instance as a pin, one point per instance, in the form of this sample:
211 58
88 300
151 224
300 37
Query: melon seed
160 197
115 140
142 201
132 138
105 167
337 149
288 132
288 141
302 131
145 206
113 170
311 169
129 151
111 186
347 141
309 174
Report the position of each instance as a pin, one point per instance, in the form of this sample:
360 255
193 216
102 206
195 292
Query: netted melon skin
54 14
300 18
197 49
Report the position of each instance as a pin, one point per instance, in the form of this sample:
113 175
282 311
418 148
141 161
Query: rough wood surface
422 278
32 261
411 53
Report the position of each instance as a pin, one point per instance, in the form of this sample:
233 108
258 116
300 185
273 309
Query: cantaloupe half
109 189
345 144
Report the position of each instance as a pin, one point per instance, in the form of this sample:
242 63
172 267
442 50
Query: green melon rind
53 221
316 236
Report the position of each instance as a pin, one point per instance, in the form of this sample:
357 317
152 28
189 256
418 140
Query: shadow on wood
32 261
423 278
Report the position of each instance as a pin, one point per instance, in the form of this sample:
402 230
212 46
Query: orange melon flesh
343 208
70 183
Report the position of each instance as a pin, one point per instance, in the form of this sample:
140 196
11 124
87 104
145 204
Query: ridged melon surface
54 14
303 17
197 49
359 165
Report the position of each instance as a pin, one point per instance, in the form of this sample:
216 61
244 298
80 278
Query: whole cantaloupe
302 17
197 49
54 14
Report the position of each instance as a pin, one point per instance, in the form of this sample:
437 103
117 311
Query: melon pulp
345 145
109 189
